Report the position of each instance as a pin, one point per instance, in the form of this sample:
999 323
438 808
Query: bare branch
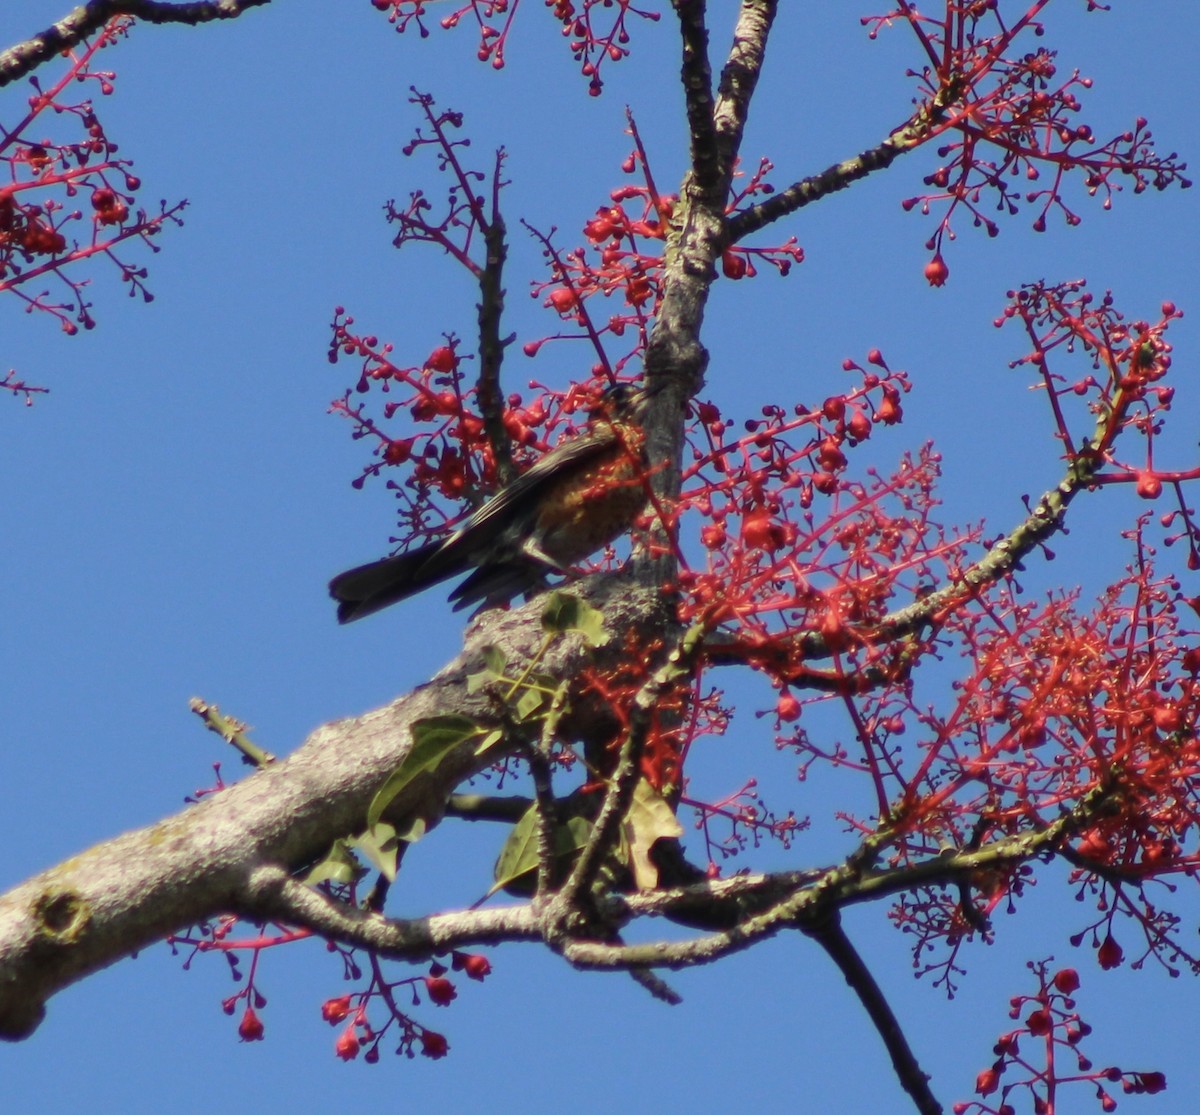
488 390
910 135
696 75
830 935
77 25
485 807
739 78
801 900
272 892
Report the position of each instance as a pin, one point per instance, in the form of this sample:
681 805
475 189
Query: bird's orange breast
595 504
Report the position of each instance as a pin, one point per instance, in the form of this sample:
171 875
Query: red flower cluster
1006 119
45 177
597 30
1059 1032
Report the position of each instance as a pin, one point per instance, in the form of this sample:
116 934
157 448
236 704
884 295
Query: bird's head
622 401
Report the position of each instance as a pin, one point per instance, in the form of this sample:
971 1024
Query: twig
232 731
486 807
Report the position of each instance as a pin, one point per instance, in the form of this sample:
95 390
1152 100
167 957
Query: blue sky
172 511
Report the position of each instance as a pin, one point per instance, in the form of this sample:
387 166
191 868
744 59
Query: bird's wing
507 509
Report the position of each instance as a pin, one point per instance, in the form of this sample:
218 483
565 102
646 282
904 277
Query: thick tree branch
213 858
25 57
675 357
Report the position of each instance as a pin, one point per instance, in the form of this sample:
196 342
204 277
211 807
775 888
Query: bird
579 497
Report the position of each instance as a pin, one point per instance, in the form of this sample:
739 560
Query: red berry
442 360
1148 485
1067 981
859 426
986 1081
936 271
477 966
760 533
440 990
250 1028
1110 954
433 1045
733 264
787 708
346 1046
334 1010
1039 1022
834 407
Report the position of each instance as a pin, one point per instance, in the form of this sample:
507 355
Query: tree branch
1004 556
919 127
218 855
488 391
675 357
486 807
800 900
739 79
273 893
25 57
696 75
830 935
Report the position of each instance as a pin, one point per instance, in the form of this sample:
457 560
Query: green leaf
490 740
519 856
566 612
433 739
416 828
495 661
338 866
528 703
380 845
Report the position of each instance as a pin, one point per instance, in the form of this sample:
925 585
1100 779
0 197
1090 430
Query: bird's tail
368 588
498 582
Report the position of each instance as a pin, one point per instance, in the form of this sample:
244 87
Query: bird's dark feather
509 543
494 516
378 584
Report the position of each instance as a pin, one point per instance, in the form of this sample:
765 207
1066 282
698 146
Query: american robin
578 497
